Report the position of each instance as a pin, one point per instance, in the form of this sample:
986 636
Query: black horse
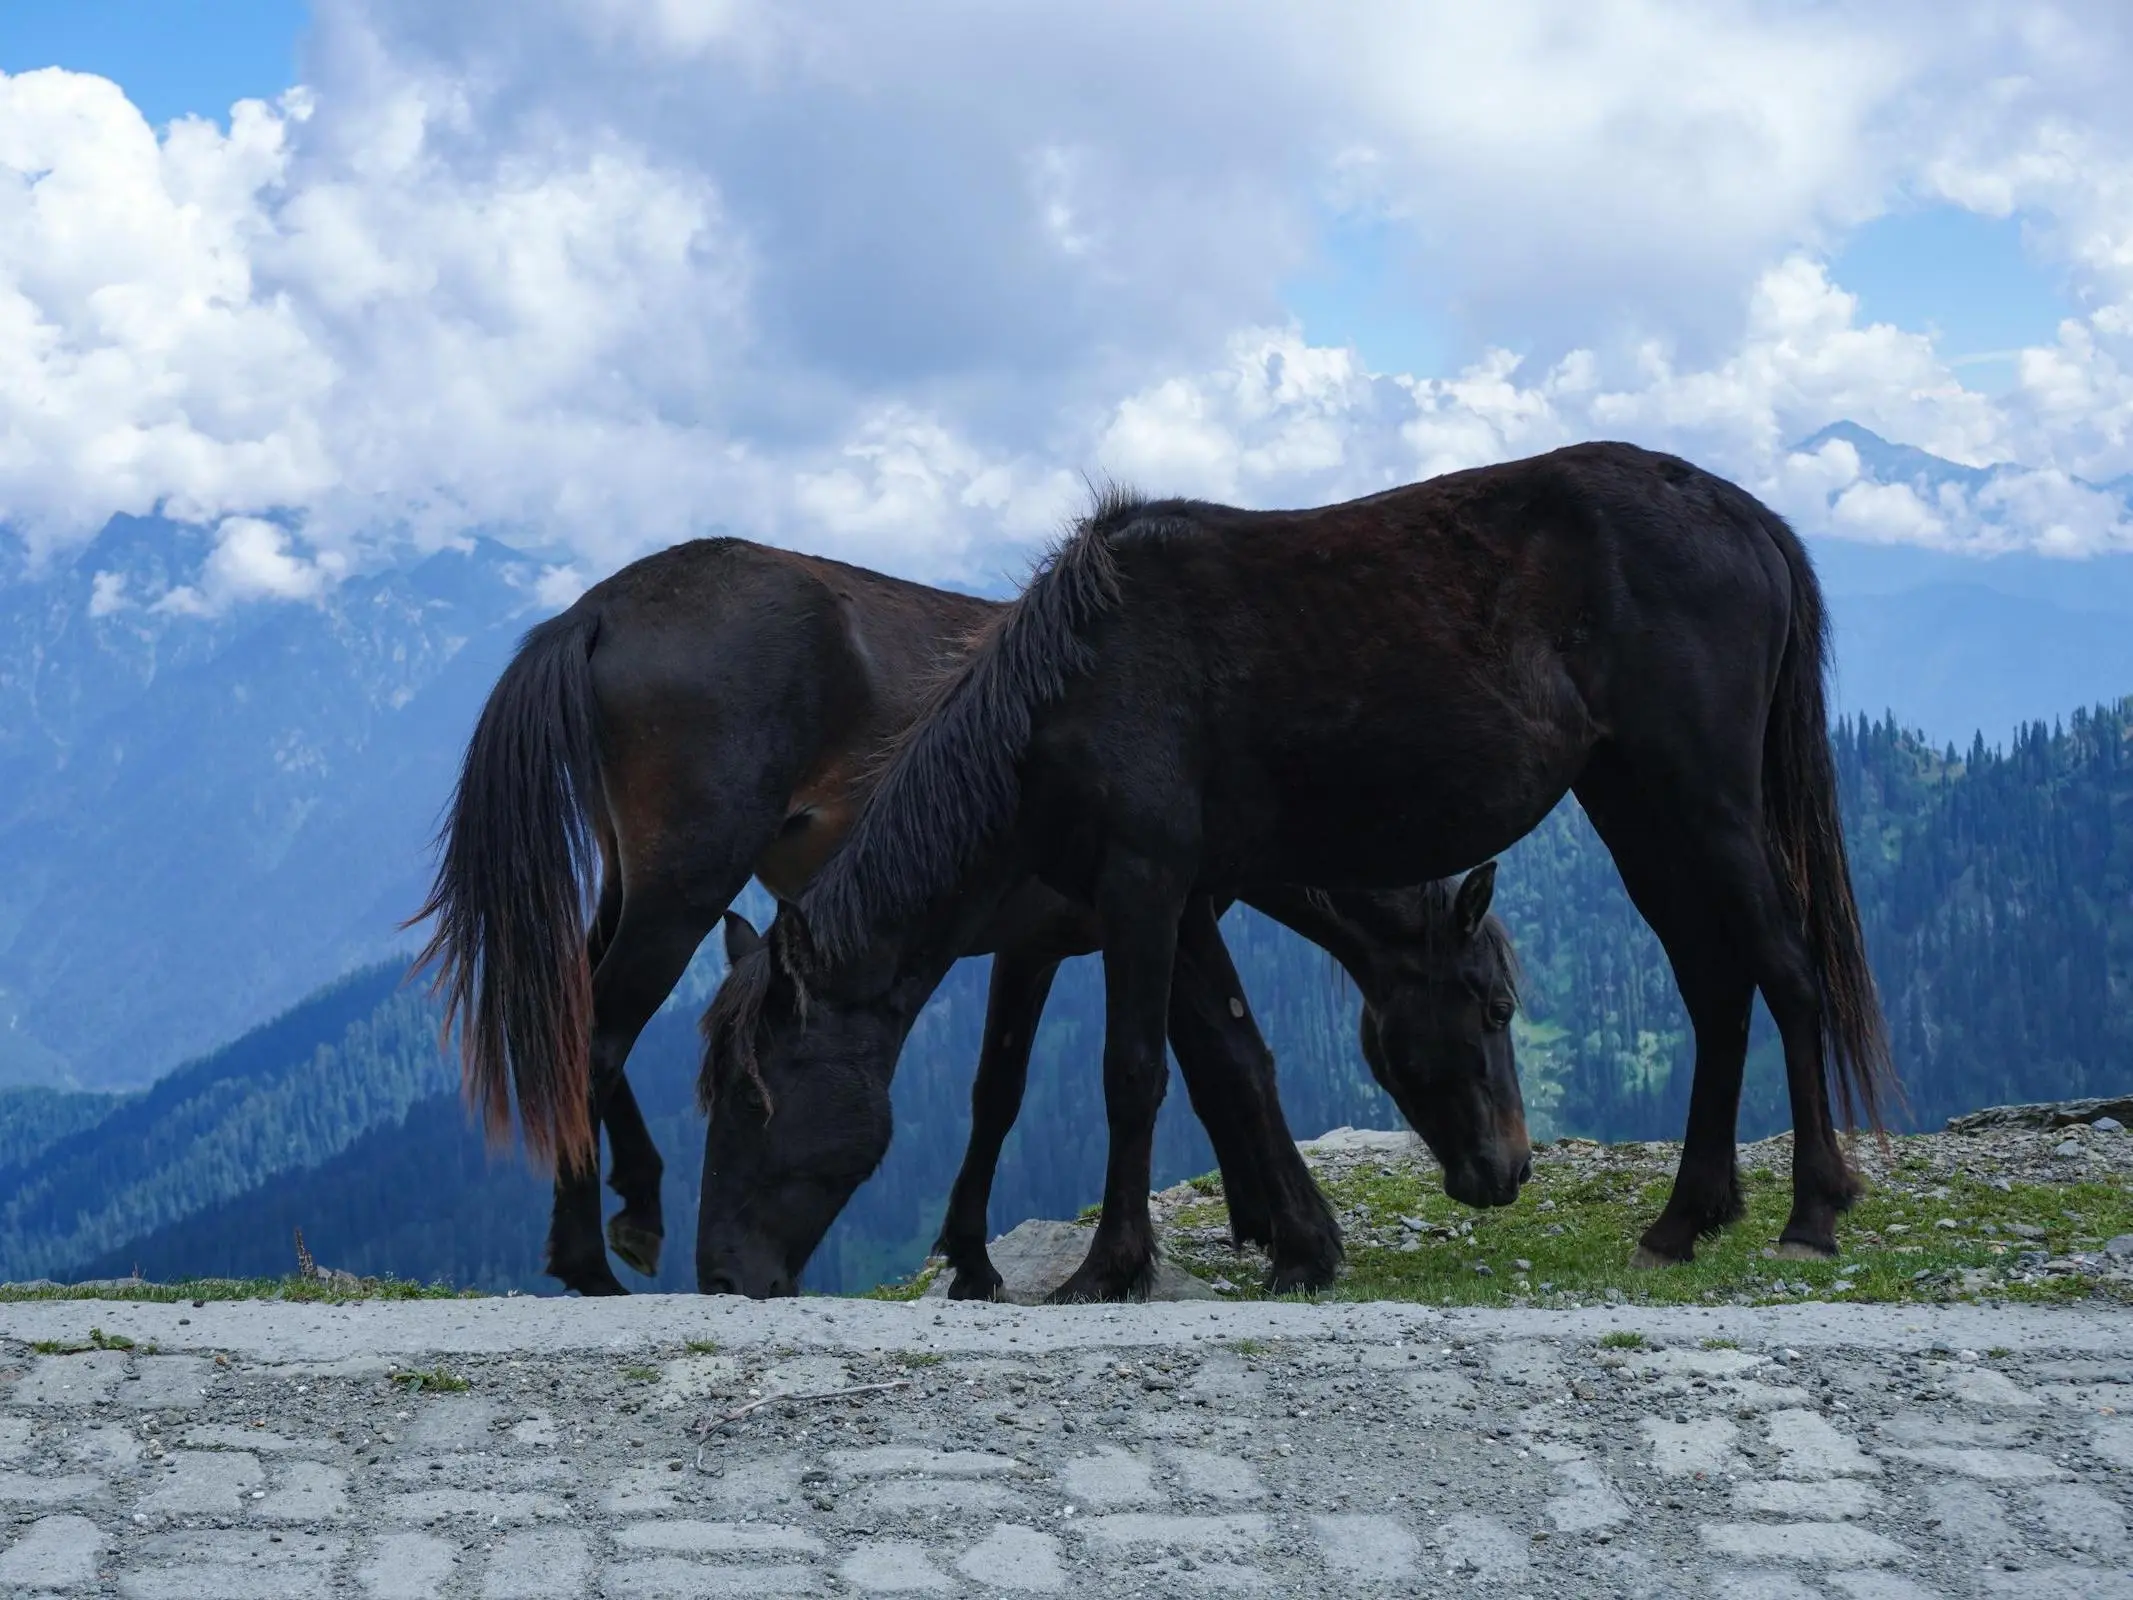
1439 983
712 713
1190 700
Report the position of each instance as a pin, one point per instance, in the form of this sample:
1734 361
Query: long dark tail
516 870
1800 811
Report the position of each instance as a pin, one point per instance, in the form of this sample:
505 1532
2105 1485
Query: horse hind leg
1716 990
664 917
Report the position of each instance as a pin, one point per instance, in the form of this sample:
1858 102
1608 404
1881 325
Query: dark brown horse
1191 700
1439 984
709 714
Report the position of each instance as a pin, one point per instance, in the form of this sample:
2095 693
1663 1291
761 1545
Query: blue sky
172 57
889 281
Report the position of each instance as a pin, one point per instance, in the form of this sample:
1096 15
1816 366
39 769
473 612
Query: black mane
949 784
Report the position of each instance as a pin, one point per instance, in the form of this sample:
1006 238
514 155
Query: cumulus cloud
886 282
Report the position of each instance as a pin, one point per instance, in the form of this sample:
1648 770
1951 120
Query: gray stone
80 1380
1879 1586
1233 1534
1683 1449
1037 1257
1479 1544
304 1491
904 1458
452 1422
894 1566
546 1564
719 1539
669 1579
1810 1447
407 1566
1216 1477
2060 1583
167 1383
508 1508
14 1439
54 1553
40 1489
2119 1247
230 1565
1585 1501
897 1497
2081 1517
210 1482
1110 1477
1365 1549
1994 1466
1836 1544
1846 1499
1016 1557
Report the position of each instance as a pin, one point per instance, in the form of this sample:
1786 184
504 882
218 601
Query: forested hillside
1996 888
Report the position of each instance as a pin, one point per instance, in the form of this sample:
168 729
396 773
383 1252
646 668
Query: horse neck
1317 916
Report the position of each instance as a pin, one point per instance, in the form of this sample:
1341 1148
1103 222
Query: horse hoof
986 1285
1803 1250
638 1247
1645 1259
1086 1288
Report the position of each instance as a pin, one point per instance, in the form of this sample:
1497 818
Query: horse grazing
711 713
1190 699
1438 978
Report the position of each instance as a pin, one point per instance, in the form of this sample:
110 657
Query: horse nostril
1525 1171
719 1283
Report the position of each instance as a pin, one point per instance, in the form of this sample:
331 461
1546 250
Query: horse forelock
950 783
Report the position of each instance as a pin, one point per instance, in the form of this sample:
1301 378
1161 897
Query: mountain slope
286 1096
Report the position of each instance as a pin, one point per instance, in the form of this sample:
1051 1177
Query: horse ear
1471 904
742 941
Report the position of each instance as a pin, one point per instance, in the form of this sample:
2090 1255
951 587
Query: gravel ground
523 1447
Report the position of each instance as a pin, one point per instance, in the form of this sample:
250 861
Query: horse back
733 676
1411 679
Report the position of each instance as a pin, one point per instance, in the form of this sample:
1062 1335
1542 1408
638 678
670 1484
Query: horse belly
1398 800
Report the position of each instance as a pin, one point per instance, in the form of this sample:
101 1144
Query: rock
1037 1257
2107 1125
2068 1151
1367 1142
2025 1230
2049 1114
2120 1248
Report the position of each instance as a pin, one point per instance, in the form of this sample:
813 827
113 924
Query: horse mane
951 781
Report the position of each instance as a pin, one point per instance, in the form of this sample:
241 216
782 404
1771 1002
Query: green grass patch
701 1347
919 1358
1721 1344
1622 1339
97 1340
437 1380
641 1374
1576 1228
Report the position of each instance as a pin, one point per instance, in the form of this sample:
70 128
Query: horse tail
517 865
1807 839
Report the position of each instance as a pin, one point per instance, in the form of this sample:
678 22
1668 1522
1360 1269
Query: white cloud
251 560
886 281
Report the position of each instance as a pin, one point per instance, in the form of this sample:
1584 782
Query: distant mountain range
203 819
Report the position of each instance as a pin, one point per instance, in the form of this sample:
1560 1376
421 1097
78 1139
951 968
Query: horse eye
1500 1014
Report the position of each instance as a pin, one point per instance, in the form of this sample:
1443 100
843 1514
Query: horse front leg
1229 1073
1139 905
1021 980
